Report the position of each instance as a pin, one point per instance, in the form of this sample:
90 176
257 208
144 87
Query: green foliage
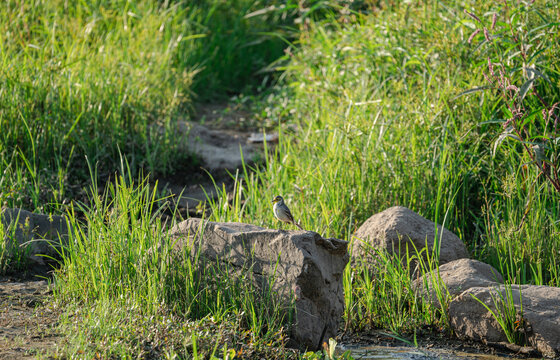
359 147
237 43
104 78
388 110
127 292
86 80
520 43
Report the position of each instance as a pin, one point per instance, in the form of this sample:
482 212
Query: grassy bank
90 81
395 109
395 105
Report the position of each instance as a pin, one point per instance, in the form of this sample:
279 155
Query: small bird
282 212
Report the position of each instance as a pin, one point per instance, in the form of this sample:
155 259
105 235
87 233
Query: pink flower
473 35
473 16
486 34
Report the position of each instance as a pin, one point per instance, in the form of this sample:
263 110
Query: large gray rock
470 319
33 234
398 229
308 269
457 276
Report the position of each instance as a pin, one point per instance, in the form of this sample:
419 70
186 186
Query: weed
507 314
519 45
13 256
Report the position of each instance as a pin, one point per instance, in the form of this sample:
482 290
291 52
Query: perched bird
282 212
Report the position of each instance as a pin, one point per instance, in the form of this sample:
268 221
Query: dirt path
222 136
27 320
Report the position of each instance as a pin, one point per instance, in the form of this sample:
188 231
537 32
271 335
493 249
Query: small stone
34 234
458 276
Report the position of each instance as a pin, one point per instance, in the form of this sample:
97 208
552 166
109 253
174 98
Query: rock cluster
308 269
463 284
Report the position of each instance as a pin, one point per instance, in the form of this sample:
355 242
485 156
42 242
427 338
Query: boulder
458 276
308 269
33 234
541 314
398 229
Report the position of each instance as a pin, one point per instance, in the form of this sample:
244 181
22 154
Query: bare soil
27 320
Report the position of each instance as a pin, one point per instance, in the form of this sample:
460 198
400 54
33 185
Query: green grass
384 117
82 80
390 106
384 296
127 292
89 81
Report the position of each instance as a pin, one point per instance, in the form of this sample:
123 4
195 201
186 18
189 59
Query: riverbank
448 109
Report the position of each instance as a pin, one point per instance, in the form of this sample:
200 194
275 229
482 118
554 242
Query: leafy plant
519 41
517 50
328 353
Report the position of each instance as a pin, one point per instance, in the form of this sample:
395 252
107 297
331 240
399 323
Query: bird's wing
289 214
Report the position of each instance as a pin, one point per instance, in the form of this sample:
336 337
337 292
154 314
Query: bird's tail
298 225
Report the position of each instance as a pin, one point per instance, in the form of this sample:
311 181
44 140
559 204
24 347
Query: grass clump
383 296
128 293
